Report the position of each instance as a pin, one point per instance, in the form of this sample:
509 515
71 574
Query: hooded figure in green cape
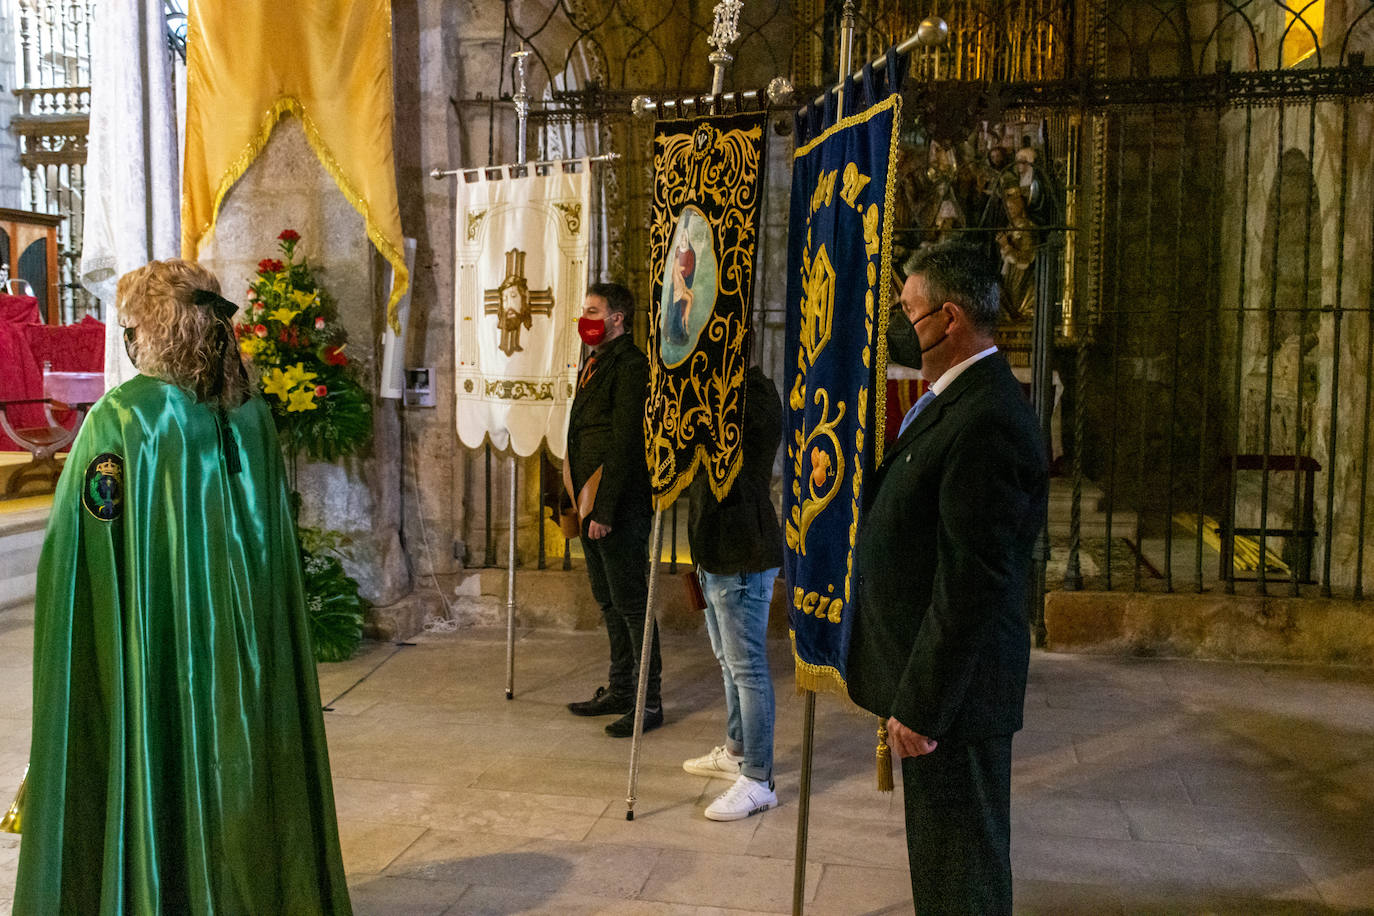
178 762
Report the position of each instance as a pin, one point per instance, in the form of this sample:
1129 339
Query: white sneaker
747 796
720 763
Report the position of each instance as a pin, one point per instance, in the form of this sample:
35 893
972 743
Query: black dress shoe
624 727
602 703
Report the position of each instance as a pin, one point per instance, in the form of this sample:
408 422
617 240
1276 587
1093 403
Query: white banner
521 255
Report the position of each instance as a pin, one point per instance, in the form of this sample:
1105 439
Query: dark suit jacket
606 430
740 533
941 639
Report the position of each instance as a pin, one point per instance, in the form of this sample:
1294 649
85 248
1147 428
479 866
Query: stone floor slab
1342 882
381 895
1146 786
369 847
849 889
550 867
729 881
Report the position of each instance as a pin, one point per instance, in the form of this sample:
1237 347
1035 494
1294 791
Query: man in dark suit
941 642
609 472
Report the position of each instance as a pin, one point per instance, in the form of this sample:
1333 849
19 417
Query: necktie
916 409
587 369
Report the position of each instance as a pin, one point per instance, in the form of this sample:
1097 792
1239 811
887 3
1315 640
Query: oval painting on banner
689 287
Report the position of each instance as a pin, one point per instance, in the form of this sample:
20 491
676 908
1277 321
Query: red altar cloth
26 343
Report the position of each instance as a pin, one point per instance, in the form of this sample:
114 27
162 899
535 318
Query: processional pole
522 110
522 114
641 694
724 31
809 708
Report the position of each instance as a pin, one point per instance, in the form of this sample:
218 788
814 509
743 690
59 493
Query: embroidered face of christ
511 302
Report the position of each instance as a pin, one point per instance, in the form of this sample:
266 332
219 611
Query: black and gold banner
702 241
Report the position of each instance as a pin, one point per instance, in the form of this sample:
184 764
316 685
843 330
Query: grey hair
960 273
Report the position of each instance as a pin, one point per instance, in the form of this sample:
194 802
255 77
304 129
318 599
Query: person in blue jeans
737 547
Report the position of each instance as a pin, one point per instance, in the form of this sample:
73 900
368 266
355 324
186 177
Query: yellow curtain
328 62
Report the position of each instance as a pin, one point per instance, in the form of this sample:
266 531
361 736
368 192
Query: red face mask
591 330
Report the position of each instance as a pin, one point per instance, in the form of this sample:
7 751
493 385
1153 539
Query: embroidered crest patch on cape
103 491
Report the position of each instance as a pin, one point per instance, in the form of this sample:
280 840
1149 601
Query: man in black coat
941 642
608 469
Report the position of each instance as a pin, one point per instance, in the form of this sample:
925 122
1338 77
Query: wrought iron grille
54 94
1180 193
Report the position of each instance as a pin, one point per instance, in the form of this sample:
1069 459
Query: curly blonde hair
176 339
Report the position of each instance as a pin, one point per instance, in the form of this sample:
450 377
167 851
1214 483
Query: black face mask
131 345
903 346
939 340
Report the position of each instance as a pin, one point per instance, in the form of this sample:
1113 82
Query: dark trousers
617 566
958 827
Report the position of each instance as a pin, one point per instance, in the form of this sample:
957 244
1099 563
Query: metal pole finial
848 15
780 90
933 32
521 96
724 32
725 26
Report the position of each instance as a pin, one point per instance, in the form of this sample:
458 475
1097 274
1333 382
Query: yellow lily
303 299
298 375
302 399
284 315
278 384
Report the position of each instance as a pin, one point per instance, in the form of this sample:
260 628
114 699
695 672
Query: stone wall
287 188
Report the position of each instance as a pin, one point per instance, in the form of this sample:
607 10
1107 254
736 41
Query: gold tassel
10 822
884 759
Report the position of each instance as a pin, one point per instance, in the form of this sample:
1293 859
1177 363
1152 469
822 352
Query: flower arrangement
292 335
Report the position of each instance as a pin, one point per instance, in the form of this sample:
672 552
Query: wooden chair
63 393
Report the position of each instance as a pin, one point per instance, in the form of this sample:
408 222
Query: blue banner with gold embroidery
703 235
839 258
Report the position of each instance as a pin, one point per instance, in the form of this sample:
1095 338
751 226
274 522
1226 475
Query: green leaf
333 605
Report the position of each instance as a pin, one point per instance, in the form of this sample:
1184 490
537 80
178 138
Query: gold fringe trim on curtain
291 105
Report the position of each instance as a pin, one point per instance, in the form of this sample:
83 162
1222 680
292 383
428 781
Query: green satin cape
178 762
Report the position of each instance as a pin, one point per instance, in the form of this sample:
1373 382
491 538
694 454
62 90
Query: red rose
281 335
319 323
270 265
335 357
321 391
289 235
260 330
